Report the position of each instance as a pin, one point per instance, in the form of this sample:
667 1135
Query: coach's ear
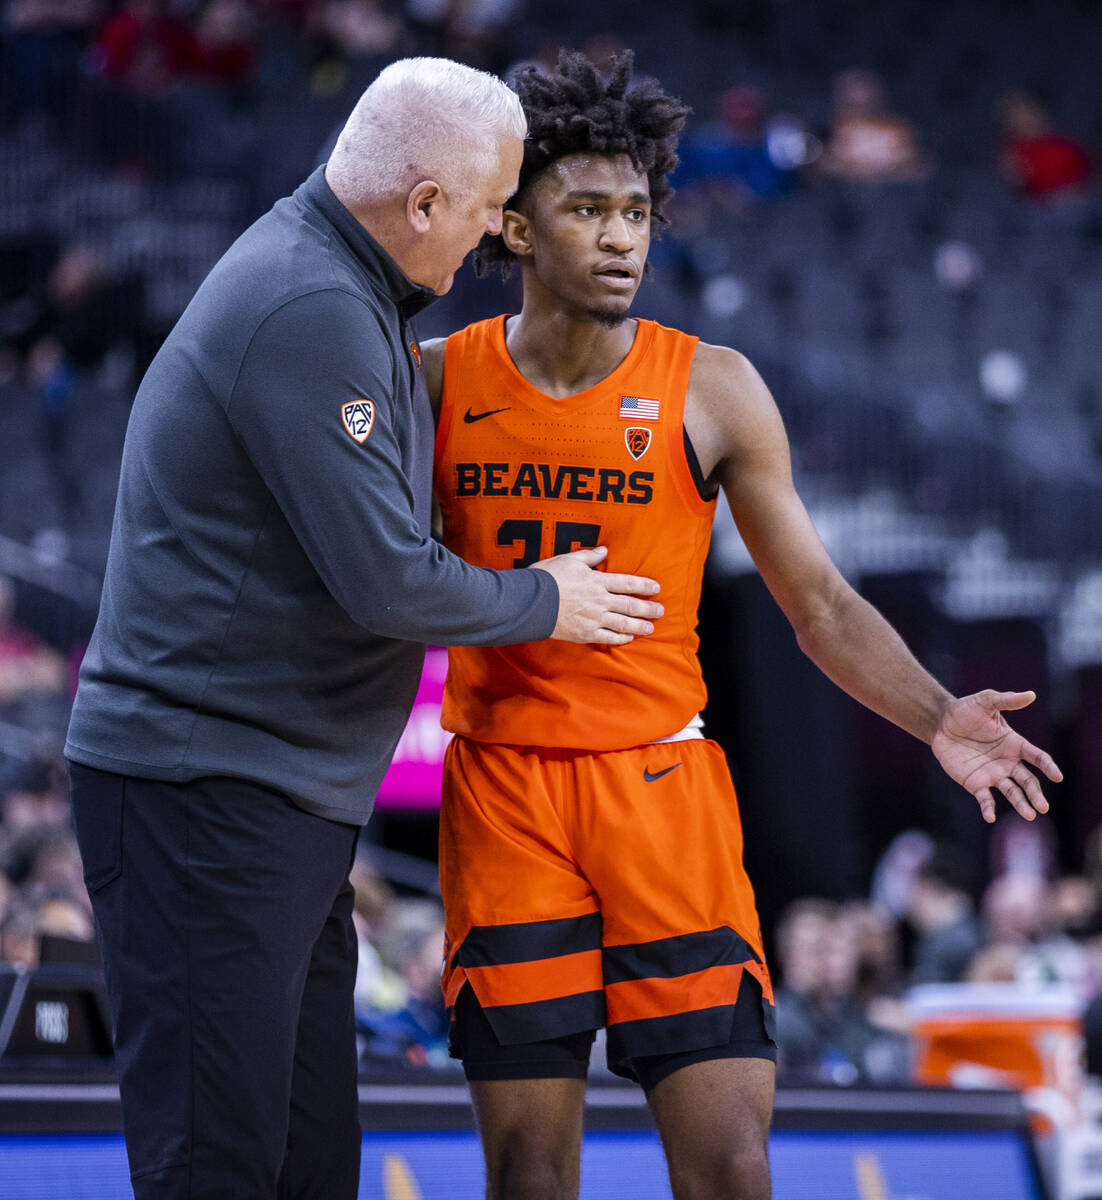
420 203
516 232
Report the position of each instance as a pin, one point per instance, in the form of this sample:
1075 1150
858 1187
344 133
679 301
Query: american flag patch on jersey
636 407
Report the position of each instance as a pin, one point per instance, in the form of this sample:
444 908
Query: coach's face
456 218
584 233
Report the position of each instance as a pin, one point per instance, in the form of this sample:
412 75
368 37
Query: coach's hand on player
599 606
981 752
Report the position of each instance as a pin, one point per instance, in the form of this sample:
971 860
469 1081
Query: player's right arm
739 437
594 606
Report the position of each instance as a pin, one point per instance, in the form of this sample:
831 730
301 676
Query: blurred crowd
817 223
845 970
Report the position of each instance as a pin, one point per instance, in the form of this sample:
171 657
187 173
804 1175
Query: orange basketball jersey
521 476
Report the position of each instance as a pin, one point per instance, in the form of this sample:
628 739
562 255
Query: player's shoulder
470 339
722 375
722 363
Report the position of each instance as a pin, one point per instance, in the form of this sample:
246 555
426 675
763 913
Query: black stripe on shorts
750 1024
529 941
542 1019
667 958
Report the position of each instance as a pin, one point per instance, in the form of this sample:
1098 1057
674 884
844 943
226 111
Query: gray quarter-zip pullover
272 580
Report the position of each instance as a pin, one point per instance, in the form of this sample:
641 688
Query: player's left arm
739 437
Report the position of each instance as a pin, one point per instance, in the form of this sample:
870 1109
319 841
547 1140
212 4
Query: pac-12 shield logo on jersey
637 442
358 417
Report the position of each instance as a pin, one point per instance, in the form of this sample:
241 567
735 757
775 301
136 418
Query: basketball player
591 852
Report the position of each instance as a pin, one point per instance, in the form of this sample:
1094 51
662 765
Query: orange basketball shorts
587 889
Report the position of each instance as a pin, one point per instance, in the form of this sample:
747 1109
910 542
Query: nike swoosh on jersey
650 778
469 417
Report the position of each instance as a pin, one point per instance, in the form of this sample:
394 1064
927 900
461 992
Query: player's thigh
531 1132
715 1115
528 1100
522 921
503 848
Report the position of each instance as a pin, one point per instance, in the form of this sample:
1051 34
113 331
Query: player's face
462 219
588 233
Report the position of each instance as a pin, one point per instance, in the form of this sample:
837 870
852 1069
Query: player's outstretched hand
598 606
981 752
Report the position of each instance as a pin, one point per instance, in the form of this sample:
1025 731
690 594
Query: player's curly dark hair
577 110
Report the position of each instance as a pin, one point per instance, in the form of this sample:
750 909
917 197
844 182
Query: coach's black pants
224 914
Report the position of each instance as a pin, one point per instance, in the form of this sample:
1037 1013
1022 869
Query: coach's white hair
423 118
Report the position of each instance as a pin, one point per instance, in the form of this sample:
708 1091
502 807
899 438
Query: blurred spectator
42 890
731 155
1014 909
226 45
349 41
879 973
1029 933
1071 908
473 31
19 935
45 857
25 263
822 1031
146 50
867 142
879 967
43 43
1068 951
1034 159
126 120
80 315
34 916
37 795
378 987
896 869
417 1031
29 668
419 964
941 912
61 917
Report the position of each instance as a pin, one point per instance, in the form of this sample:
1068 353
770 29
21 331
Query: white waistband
694 729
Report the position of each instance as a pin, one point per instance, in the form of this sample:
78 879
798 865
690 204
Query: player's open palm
977 748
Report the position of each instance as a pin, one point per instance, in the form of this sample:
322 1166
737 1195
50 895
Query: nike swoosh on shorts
650 778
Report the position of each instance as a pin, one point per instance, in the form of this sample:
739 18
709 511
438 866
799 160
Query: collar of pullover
408 297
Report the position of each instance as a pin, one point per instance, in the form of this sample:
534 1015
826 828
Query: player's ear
420 204
516 232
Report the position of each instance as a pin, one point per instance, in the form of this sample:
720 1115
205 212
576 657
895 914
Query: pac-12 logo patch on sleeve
358 417
637 440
